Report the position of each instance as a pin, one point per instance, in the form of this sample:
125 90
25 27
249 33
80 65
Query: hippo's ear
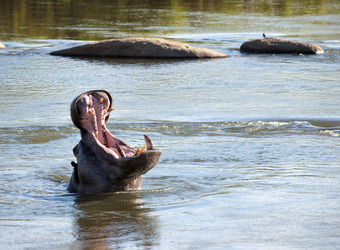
74 105
74 181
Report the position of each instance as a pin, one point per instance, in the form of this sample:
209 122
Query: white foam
329 133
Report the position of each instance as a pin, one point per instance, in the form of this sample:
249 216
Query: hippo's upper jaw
104 162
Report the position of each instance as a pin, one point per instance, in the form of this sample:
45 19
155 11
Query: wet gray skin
104 162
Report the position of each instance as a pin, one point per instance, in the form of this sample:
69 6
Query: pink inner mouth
93 110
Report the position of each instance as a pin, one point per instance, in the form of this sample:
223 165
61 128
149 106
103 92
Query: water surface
250 142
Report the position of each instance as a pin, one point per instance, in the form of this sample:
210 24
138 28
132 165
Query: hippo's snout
104 162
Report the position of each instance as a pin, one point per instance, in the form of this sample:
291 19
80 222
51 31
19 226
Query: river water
250 142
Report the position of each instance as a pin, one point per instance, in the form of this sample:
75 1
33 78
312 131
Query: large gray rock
275 45
2 46
140 47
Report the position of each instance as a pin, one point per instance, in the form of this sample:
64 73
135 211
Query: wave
44 134
34 134
237 128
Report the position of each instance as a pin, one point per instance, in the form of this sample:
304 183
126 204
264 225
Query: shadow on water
137 61
114 220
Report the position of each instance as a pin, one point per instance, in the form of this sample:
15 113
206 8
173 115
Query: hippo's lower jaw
104 162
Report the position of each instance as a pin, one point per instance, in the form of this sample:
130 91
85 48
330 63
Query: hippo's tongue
94 112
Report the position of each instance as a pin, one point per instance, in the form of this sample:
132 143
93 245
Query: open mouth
90 113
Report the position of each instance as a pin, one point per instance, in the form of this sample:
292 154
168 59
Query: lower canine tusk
148 143
120 151
142 149
137 151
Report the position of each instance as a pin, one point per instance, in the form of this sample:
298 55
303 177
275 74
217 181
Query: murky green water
250 142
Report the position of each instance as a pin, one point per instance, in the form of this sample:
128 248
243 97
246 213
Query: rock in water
140 47
275 45
2 46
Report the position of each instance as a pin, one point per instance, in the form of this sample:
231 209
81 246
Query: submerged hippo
275 45
104 162
139 47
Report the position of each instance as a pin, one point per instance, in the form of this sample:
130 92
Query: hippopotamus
104 162
280 46
139 47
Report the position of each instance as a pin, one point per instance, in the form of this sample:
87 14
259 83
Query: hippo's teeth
137 151
91 111
90 104
120 151
101 100
148 143
110 109
96 134
142 149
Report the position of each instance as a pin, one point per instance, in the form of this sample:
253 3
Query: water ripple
44 134
235 128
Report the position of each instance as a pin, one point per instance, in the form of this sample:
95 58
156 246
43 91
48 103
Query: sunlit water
250 143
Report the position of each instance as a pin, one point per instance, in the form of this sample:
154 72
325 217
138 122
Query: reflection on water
95 20
114 221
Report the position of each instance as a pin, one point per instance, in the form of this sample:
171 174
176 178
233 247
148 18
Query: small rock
275 45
